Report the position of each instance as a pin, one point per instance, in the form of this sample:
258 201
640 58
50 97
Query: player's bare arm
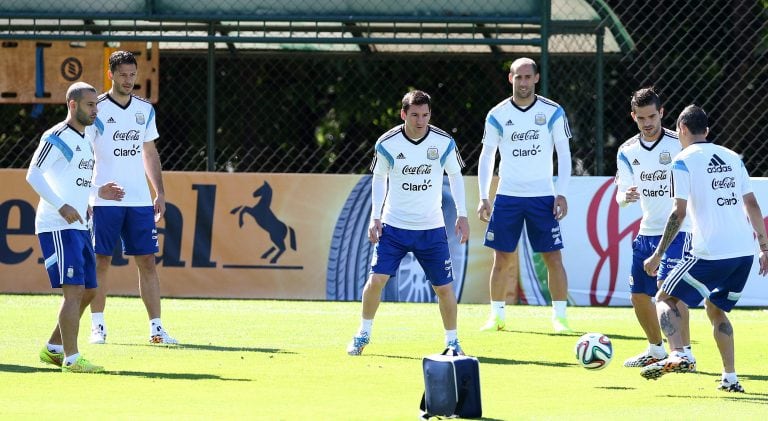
154 171
374 231
560 209
462 229
70 214
756 218
111 191
484 210
651 264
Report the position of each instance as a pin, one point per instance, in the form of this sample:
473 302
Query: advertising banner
304 236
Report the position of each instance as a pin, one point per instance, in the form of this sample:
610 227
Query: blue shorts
135 226
642 248
719 280
69 258
509 214
430 247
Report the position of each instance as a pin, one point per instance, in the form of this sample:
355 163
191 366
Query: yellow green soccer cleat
81 365
493 324
560 324
52 358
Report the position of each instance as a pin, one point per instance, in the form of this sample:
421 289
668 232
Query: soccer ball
594 351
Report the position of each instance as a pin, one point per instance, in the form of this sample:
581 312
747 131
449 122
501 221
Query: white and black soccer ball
594 351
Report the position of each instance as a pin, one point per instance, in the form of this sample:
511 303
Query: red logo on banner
608 253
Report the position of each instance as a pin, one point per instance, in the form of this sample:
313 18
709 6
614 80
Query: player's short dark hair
524 60
75 91
644 97
416 97
695 119
121 57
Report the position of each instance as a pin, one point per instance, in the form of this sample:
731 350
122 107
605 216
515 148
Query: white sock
56 349
155 327
366 325
497 307
559 308
730 377
451 335
657 350
70 359
97 321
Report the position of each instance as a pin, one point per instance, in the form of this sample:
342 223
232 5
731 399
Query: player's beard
83 118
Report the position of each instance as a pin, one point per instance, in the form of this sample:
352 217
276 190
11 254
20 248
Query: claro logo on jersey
421 169
523 136
133 151
658 175
125 136
728 201
662 191
535 150
83 182
426 185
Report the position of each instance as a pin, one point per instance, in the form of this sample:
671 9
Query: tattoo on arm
670 231
725 328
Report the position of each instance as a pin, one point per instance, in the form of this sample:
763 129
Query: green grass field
286 360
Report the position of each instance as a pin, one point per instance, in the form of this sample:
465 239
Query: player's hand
484 210
763 263
159 207
560 209
631 195
651 264
462 229
70 214
111 191
374 231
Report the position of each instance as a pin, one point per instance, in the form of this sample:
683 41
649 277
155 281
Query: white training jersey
119 147
525 138
415 171
649 168
713 180
65 158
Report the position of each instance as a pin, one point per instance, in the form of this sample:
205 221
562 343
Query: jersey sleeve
558 126
151 126
624 174
681 180
493 131
451 159
382 160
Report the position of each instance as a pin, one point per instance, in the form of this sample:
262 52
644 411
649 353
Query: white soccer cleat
98 335
357 344
163 338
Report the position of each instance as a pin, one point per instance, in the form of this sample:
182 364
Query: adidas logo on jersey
716 164
509 123
635 162
401 156
111 120
78 148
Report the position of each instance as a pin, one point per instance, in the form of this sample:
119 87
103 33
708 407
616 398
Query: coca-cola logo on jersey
129 135
724 183
85 164
658 175
421 169
527 135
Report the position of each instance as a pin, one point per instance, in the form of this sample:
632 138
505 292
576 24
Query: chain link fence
318 107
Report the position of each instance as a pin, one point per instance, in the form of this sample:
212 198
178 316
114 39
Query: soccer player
413 157
60 172
525 129
711 183
125 151
643 166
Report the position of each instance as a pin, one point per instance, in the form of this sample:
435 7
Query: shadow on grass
576 334
489 360
756 398
211 347
12 368
615 387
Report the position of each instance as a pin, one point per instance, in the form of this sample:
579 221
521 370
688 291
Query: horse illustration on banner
266 219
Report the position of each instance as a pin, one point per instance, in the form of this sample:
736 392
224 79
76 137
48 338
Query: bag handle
450 351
